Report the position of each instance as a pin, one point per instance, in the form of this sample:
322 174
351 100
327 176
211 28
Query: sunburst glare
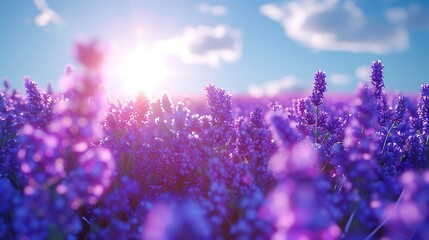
142 69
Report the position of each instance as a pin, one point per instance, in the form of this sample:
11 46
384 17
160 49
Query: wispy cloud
205 45
47 15
339 79
214 10
336 25
274 87
414 16
363 72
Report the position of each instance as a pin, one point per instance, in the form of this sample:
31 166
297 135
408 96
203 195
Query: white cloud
47 15
397 15
412 17
215 10
336 25
363 72
205 45
274 87
340 79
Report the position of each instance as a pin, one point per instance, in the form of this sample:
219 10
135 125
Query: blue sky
258 47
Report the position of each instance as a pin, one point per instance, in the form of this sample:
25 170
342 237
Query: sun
142 69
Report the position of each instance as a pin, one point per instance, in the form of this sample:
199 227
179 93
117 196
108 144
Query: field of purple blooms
73 166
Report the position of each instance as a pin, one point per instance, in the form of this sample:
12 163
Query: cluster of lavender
51 168
73 167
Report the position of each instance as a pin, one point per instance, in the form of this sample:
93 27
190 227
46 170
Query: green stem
427 149
3 142
385 139
395 208
316 130
347 227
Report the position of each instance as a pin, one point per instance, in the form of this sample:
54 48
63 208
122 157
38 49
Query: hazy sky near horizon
257 47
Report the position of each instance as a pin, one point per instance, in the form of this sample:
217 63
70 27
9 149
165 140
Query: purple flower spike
400 108
319 88
377 77
423 109
219 103
89 54
257 117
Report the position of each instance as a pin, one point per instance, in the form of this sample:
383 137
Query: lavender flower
35 105
319 88
244 144
386 113
280 128
366 112
423 109
142 106
377 84
377 78
220 107
70 168
400 109
256 118
292 205
219 103
166 104
90 54
39 105
62 170
414 155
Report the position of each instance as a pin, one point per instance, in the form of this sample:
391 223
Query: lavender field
74 166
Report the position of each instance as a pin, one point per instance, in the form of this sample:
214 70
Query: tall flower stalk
64 172
319 89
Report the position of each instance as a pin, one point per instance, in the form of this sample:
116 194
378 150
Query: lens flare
142 69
